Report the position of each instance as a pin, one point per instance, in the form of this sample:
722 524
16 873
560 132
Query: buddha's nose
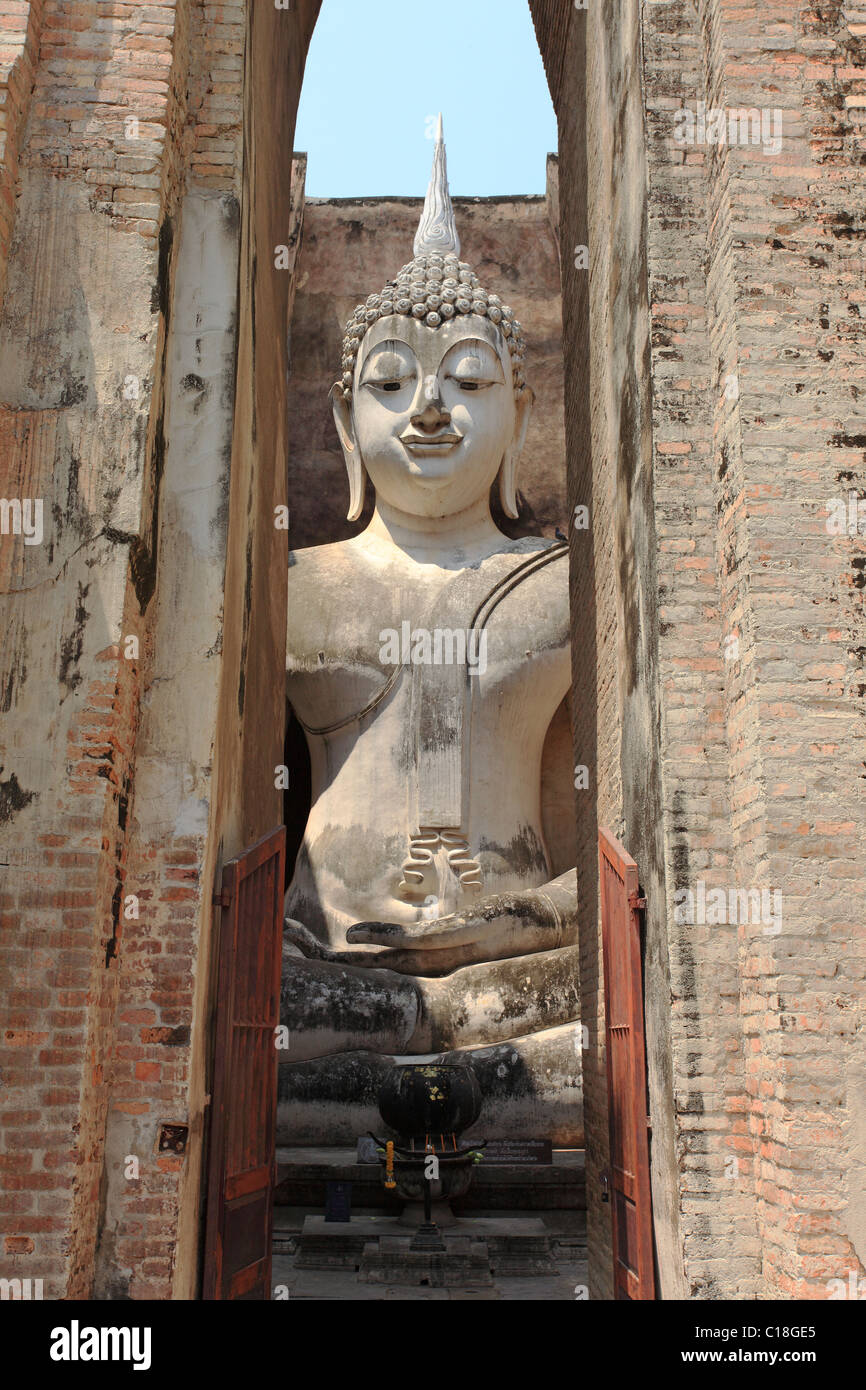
431 418
434 415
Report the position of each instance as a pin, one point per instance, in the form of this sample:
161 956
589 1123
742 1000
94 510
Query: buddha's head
433 402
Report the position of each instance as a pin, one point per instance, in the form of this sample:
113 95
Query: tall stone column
142 717
82 336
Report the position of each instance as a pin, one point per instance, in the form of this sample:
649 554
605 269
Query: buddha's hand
297 935
495 928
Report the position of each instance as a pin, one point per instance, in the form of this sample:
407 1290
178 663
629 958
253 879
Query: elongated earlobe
508 483
508 471
351 455
357 481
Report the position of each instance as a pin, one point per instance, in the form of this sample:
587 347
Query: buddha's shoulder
317 562
538 562
526 592
331 578
333 592
532 547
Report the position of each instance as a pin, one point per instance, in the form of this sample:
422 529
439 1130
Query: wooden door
244 1097
631 1203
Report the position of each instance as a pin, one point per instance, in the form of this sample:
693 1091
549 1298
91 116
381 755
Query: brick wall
753 442
693 325
794 699
71 337
20 25
753 271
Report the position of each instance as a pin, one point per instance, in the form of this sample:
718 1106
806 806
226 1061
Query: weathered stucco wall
214 730
133 402
19 54
78 362
620 404
596 717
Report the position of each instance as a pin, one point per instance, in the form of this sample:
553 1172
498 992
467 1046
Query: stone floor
568 1247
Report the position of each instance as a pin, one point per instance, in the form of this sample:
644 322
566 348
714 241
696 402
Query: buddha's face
433 412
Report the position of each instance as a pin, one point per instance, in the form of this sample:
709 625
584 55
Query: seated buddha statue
425 660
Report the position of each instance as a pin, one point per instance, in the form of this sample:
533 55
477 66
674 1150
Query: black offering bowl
421 1099
429 1104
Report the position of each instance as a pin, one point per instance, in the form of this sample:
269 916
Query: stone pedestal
476 1250
558 1186
463 1263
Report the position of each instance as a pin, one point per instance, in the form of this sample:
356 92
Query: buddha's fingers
309 945
385 933
497 1001
300 943
299 937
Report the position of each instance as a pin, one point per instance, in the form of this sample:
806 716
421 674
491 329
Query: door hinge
636 902
222 899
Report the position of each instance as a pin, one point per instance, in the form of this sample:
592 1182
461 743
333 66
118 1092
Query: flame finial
437 230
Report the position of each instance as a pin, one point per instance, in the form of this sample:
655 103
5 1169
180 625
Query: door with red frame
239 1224
631 1202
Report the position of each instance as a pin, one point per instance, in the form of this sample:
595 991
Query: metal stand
427 1238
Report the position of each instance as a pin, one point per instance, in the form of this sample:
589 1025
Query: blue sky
379 71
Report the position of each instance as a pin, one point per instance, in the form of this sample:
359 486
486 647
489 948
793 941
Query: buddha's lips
430 444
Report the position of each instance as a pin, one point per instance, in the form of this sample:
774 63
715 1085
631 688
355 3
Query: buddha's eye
387 384
467 383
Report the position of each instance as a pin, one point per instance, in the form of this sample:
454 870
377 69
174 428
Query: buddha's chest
417 673
478 641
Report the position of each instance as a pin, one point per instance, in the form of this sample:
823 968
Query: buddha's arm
495 928
508 966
